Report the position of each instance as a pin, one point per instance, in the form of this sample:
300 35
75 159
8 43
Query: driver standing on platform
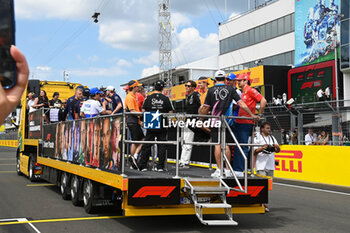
159 103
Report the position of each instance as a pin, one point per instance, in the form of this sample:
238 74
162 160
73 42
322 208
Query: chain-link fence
327 123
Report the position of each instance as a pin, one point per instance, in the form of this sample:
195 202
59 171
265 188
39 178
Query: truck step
214 205
220 222
209 189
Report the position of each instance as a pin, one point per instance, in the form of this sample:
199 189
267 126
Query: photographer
265 155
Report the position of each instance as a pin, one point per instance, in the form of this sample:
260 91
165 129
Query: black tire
31 170
64 186
88 196
18 164
75 190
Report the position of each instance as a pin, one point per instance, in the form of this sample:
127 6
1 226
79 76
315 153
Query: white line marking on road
21 220
30 224
314 189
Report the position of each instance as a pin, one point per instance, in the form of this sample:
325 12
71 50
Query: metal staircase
209 194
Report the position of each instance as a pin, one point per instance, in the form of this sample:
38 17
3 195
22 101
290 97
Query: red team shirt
250 97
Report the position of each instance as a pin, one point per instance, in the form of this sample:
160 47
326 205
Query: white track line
21 220
314 189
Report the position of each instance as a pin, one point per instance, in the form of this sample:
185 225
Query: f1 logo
162 191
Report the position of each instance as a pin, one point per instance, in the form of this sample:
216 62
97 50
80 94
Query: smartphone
8 75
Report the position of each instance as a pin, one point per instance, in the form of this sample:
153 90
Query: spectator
55 107
218 100
203 88
116 101
92 107
295 137
79 104
323 138
133 121
328 93
55 102
126 89
320 95
30 102
154 103
243 127
278 101
42 102
284 98
192 104
310 138
140 96
69 110
265 155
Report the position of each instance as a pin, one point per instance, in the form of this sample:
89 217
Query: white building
262 36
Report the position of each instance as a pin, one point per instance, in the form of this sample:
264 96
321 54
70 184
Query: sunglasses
188 86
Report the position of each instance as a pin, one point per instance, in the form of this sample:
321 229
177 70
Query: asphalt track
38 207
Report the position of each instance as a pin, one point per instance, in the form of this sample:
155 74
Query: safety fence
291 123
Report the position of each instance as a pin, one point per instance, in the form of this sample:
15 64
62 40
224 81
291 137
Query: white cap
110 88
220 74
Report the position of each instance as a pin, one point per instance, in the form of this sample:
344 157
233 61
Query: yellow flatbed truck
86 158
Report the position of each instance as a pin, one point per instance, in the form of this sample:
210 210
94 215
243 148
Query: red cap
126 88
244 76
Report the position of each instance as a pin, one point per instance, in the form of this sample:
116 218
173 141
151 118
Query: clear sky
58 35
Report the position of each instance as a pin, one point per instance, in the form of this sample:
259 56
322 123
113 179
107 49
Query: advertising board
315 23
89 142
320 164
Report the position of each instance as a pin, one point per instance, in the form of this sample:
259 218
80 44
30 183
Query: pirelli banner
90 142
320 164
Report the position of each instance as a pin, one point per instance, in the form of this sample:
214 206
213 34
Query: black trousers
146 148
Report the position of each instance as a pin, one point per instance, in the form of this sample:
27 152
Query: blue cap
231 76
95 90
81 87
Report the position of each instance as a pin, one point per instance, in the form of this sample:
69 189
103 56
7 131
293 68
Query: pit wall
320 164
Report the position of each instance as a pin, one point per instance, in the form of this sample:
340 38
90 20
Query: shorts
214 134
136 132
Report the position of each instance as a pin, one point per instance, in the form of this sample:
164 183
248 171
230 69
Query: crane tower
165 28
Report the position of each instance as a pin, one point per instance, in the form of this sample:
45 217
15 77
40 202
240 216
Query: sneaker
142 168
183 166
239 174
266 208
133 163
216 174
228 173
159 169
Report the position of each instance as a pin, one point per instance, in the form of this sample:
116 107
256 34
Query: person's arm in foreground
10 98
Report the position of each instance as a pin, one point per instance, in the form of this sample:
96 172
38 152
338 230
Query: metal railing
293 121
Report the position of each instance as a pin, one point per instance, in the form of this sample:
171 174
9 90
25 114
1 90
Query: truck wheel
18 165
31 170
75 190
88 196
65 190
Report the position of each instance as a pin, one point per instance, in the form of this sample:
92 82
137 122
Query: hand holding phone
7 38
10 98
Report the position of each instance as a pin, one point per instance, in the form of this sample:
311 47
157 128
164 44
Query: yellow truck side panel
24 164
103 177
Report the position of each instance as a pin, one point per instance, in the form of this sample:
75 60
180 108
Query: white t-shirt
30 105
264 161
309 139
319 93
91 107
328 91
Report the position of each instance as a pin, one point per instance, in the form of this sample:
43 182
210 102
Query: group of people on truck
224 98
